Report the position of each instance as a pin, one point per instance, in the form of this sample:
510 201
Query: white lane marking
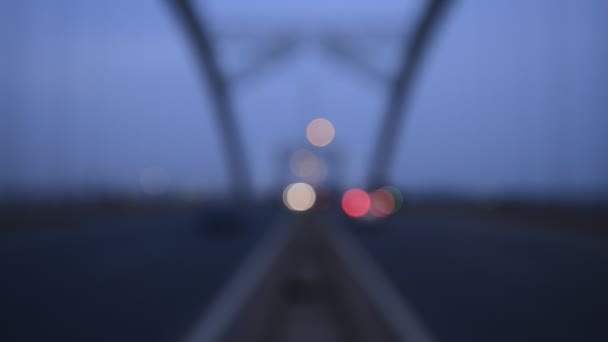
393 306
231 300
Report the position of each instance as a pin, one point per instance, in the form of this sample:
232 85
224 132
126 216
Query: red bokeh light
356 203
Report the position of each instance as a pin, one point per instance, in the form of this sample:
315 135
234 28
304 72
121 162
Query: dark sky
512 96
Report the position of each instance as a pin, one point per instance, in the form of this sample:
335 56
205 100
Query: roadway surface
150 278
481 280
134 279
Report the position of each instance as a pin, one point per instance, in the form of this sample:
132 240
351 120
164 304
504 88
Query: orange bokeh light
382 203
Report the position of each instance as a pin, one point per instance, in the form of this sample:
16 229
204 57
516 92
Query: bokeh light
356 203
398 198
299 196
307 166
320 132
382 203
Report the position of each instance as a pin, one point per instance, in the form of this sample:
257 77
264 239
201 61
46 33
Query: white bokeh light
320 132
299 196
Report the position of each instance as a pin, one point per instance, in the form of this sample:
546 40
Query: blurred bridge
253 271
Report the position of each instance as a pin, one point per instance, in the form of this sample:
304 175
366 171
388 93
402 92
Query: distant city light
299 196
382 203
320 132
307 166
356 203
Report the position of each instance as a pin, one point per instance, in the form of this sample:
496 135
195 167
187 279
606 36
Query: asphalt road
136 279
480 280
149 278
